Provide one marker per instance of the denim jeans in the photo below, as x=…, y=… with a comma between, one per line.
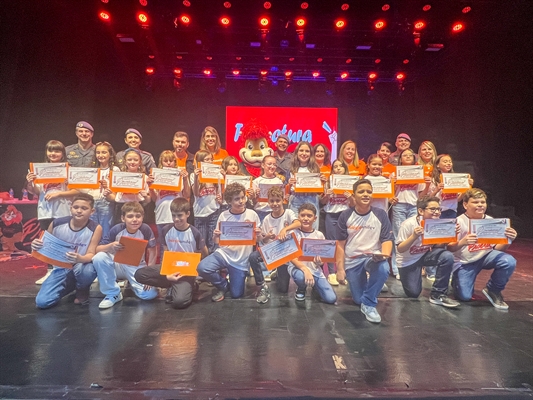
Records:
x=322, y=286
x=258, y=266
x=62, y=281
x=465, y=276
x=365, y=291
x=209, y=269
x=400, y=212
x=296, y=200
x=331, y=226
x=411, y=275
x=109, y=271
x=206, y=226
x=103, y=215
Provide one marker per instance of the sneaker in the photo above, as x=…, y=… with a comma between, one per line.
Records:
x=496, y=299
x=371, y=314
x=274, y=274
x=430, y=278
x=444, y=301
x=300, y=295
x=82, y=297
x=332, y=279
x=385, y=288
x=168, y=296
x=264, y=295
x=110, y=301
x=397, y=276
x=40, y=281
x=268, y=278
x=219, y=295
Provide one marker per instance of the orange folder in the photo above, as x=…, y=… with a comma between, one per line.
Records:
x=184, y=263
x=133, y=251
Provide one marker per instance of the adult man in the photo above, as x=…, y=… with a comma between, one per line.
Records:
x=81, y=154
x=183, y=157
x=133, y=139
x=283, y=157
x=403, y=141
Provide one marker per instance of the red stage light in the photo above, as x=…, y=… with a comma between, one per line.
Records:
x=235, y=72
x=227, y=4
x=207, y=72
x=104, y=16
x=316, y=74
x=348, y=60
x=238, y=58
x=340, y=23
x=264, y=21
x=143, y=3
x=151, y=56
x=288, y=74
x=179, y=57
x=458, y=27
x=267, y=58
x=377, y=60
x=267, y=5
x=300, y=22
x=385, y=7
x=186, y=3
x=466, y=10
x=400, y=76
x=185, y=19
x=406, y=61
x=105, y=1
x=344, y=75
x=263, y=72
x=224, y=21
x=372, y=76
x=142, y=18
x=427, y=7
x=209, y=58
x=319, y=59
x=345, y=6
x=177, y=72
x=149, y=70
x=420, y=25
x=379, y=24
x=304, y=6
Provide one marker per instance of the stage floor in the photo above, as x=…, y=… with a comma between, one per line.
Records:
x=242, y=349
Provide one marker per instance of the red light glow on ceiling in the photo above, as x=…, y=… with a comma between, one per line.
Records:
x=340, y=23
x=207, y=72
x=142, y=18
x=420, y=25
x=264, y=21
x=385, y=7
x=466, y=10
x=224, y=21
x=104, y=16
x=458, y=27
x=300, y=22
x=267, y=5
x=149, y=70
x=235, y=72
x=379, y=24
x=185, y=19
x=372, y=76
x=400, y=76
x=316, y=74
x=344, y=75
x=427, y=7
x=304, y=6
x=345, y=6
x=227, y=4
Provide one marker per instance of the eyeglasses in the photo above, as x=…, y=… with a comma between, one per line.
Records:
x=434, y=210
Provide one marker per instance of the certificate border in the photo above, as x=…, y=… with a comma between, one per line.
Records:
x=454, y=190
x=285, y=259
x=50, y=180
x=409, y=181
x=450, y=239
x=84, y=185
x=243, y=242
x=310, y=258
x=125, y=190
x=157, y=186
x=491, y=240
x=201, y=179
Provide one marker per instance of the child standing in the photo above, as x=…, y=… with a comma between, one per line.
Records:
x=269, y=177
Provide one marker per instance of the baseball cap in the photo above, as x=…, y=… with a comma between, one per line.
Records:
x=404, y=136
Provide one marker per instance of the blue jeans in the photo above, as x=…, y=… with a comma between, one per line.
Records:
x=366, y=291
x=209, y=269
x=296, y=200
x=322, y=286
x=62, y=281
x=400, y=212
x=109, y=271
x=103, y=215
x=465, y=276
x=206, y=226
x=331, y=227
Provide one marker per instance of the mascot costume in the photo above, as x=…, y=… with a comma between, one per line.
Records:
x=255, y=144
x=11, y=229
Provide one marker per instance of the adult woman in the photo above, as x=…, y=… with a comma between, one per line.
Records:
x=427, y=154
x=348, y=154
x=210, y=141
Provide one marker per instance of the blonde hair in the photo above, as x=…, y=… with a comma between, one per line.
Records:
x=432, y=147
x=166, y=155
x=227, y=160
x=203, y=146
x=355, y=161
x=124, y=167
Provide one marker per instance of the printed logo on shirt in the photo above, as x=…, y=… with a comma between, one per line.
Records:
x=179, y=241
x=419, y=249
x=449, y=196
x=361, y=227
x=207, y=191
x=334, y=200
x=414, y=186
x=478, y=247
x=49, y=186
x=165, y=193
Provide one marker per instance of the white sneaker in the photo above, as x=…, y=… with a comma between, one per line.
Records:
x=110, y=301
x=398, y=276
x=332, y=279
x=41, y=281
x=371, y=314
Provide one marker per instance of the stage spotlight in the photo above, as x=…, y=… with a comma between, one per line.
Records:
x=104, y=16
x=178, y=73
x=348, y=61
x=466, y=10
x=263, y=73
x=207, y=72
x=427, y=7
x=185, y=19
x=186, y=3
x=345, y=7
x=340, y=23
x=377, y=60
x=235, y=72
x=419, y=25
x=380, y=24
x=227, y=4
x=304, y=6
x=372, y=76
x=149, y=70
x=143, y=3
x=344, y=75
x=105, y=1
x=291, y=59
x=458, y=27
x=400, y=76
x=385, y=7
x=142, y=18
x=224, y=21
x=319, y=59
x=315, y=74
x=406, y=61
x=264, y=22
x=178, y=85
x=267, y=5
x=300, y=22
x=288, y=74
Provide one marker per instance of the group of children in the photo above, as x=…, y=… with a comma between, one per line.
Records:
x=366, y=237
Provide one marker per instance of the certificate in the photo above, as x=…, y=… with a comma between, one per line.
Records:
x=54, y=251
x=210, y=173
x=382, y=188
x=263, y=190
x=325, y=249
x=490, y=230
x=342, y=183
x=133, y=251
x=455, y=183
x=237, y=233
x=437, y=231
x=308, y=182
x=83, y=178
x=126, y=182
x=184, y=263
x=166, y=179
x=49, y=172
x=279, y=252
x=408, y=174
x=246, y=181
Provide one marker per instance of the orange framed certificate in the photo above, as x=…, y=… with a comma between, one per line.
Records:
x=382, y=188
x=308, y=182
x=184, y=263
x=54, y=251
x=126, y=182
x=264, y=188
x=409, y=174
x=325, y=249
x=490, y=230
x=342, y=183
x=455, y=183
x=439, y=231
x=49, y=172
x=133, y=251
x=166, y=179
x=83, y=178
x=244, y=180
x=237, y=233
x=279, y=252
x=210, y=173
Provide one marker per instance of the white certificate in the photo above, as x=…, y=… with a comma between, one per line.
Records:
x=308, y=182
x=54, y=251
x=381, y=187
x=237, y=233
x=126, y=182
x=325, y=249
x=280, y=252
x=49, y=172
x=455, y=183
x=342, y=183
x=437, y=231
x=83, y=178
x=264, y=188
x=407, y=174
x=166, y=179
x=246, y=181
x=210, y=173
x=490, y=230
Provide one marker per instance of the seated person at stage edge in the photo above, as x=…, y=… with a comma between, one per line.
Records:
x=472, y=257
x=85, y=233
x=412, y=256
x=309, y=273
x=234, y=258
x=109, y=271
x=364, y=242
x=183, y=238
x=275, y=222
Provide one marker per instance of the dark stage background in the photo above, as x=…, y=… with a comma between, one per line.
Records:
x=59, y=66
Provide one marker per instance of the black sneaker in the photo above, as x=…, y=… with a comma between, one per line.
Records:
x=300, y=295
x=219, y=295
x=496, y=299
x=264, y=295
x=443, y=300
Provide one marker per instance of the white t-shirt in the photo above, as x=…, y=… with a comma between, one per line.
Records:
x=127, y=197
x=275, y=225
x=237, y=256
x=471, y=252
x=417, y=249
x=315, y=270
x=379, y=203
x=82, y=238
x=448, y=201
x=188, y=241
x=205, y=203
x=409, y=193
x=162, y=206
x=263, y=205
x=55, y=208
x=336, y=204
